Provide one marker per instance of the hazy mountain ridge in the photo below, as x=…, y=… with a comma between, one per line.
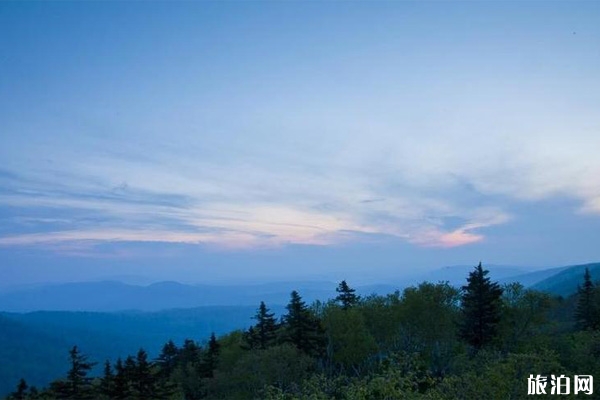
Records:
x=19, y=341
x=111, y=296
x=50, y=334
x=566, y=281
x=114, y=334
x=116, y=296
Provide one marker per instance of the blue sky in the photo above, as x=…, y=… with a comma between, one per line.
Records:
x=267, y=140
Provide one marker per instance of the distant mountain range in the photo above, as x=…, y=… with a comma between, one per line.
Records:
x=116, y=296
x=565, y=282
x=110, y=296
x=37, y=342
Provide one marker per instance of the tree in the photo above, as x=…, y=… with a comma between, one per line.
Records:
x=346, y=295
x=263, y=334
x=429, y=315
x=349, y=343
x=143, y=383
x=189, y=370
x=524, y=312
x=167, y=359
x=281, y=365
x=121, y=381
x=211, y=357
x=21, y=392
x=302, y=329
x=107, y=382
x=78, y=384
x=587, y=312
x=481, y=308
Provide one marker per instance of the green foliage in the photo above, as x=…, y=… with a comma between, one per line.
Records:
x=167, y=359
x=211, y=357
x=349, y=342
x=264, y=333
x=429, y=324
x=302, y=329
x=493, y=376
x=401, y=346
x=382, y=318
x=78, y=384
x=587, y=314
x=346, y=296
x=280, y=366
x=524, y=315
x=481, y=308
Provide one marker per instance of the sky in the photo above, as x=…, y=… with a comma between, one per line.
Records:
x=237, y=141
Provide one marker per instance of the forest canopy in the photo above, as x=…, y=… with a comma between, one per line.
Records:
x=431, y=341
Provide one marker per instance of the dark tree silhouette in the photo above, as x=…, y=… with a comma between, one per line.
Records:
x=346, y=296
x=77, y=384
x=263, y=334
x=121, y=381
x=107, y=382
x=302, y=329
x=143, y=382
x=211, y=357
x=481, y=308
x=167, y=360
x=587, y=313
x=21, y=392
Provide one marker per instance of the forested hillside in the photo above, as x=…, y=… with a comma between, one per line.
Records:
x=49, y=335
x=432, y=341
x=565, y=282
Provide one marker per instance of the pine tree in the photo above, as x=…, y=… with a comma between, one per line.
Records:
x=481, y=308
x=346, y=296
x=78, y=384
x=142, y=378
x=21, y=392
x=587, y=312
x=107, y=382
x=302, y=329
x=263, y=334
x=121, y=381
x=211, y=357
x=166, y=363
x=167, y=360
x=190, y=370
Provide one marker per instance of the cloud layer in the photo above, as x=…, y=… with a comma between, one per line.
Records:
x=334, y=139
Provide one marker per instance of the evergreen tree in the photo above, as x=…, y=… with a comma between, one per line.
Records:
x=129, y=369
x=21, y=392
x=189, y=353
x=167, y=360
x=143, y=383
x=121, y=381
x=33, y=393
x=481, y=308
x=263, y=334
x=107, y=382
x=346, y=296
x=190, y=370
x=587, y=312
x=77, y=384
x=211, y=357
x=302, y=329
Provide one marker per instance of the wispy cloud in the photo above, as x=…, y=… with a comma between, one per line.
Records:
x=302, y=150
